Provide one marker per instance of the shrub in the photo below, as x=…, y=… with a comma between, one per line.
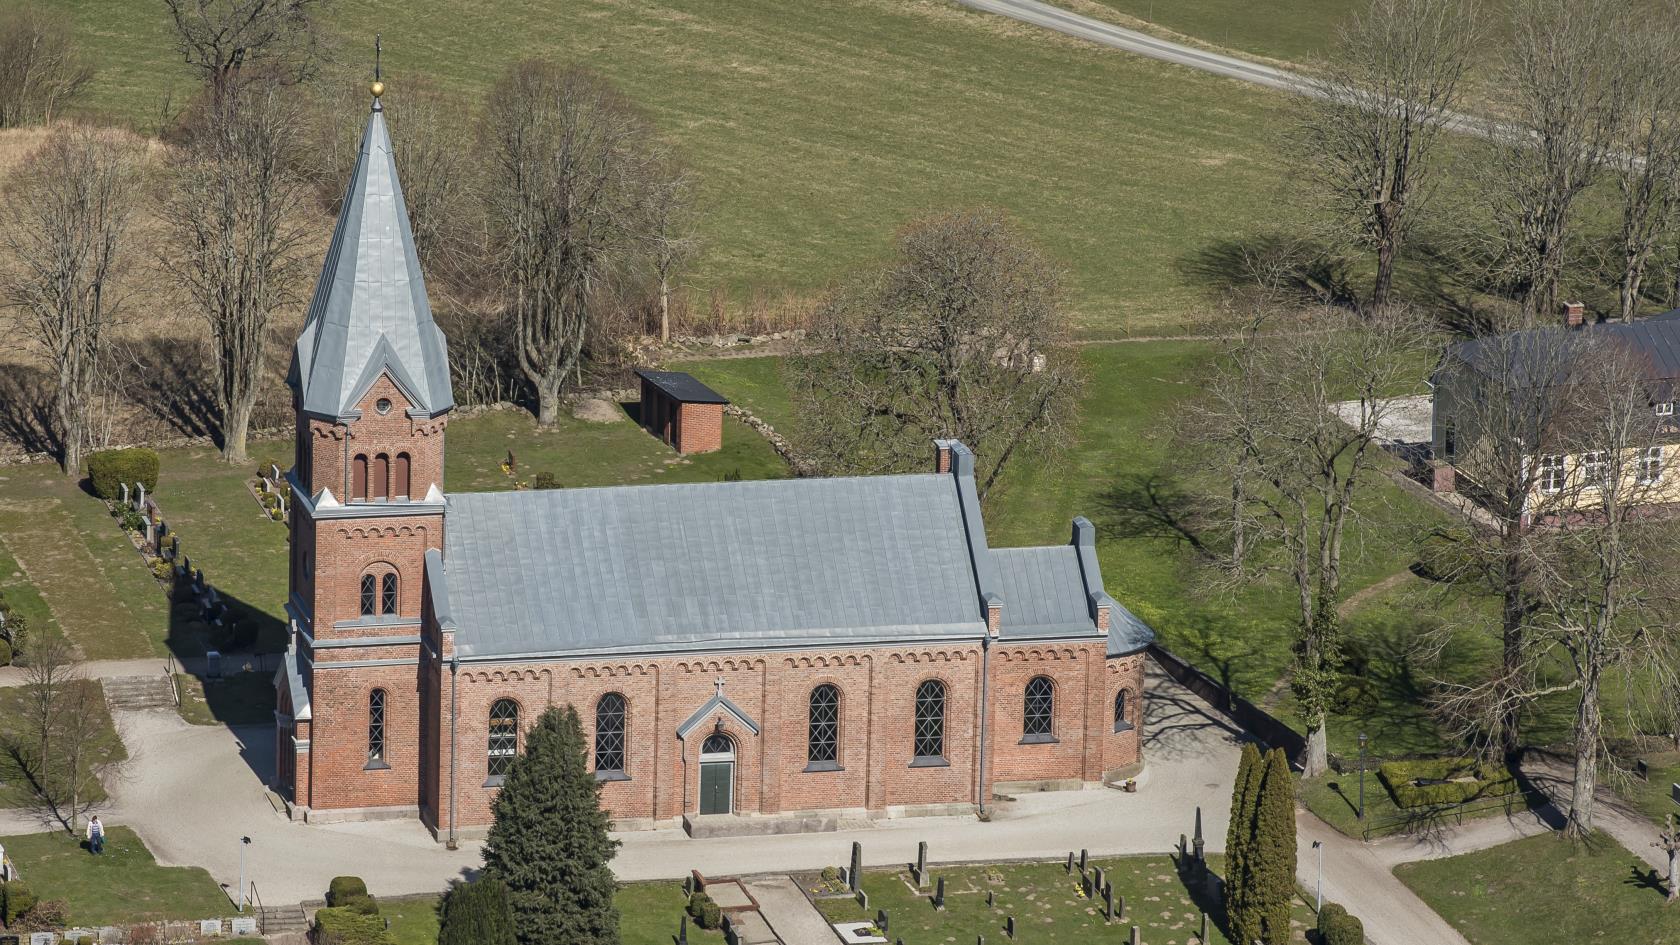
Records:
x=108, y=470
x=706, y=913
x=16, y=898
x=45, y=915
x=1344, y=930
x=1327, y=915
x=133, y=521
x=1465, y=779
x=544, y=480
x=830, y=874
x=343, y=888
x=336, y=925
x=162, y=570
x=476, y=913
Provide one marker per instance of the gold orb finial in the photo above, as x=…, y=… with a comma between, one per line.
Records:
x=377, y=88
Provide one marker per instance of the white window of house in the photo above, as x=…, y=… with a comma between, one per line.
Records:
x=1664, y=409
x=1551, y=474
x=1651, y=465
x=1595, y=466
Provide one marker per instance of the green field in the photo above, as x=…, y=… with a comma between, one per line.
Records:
x=1291, y=30
x=123, y=886
x=1594, y=892
x=107, y=746
x=817, y=129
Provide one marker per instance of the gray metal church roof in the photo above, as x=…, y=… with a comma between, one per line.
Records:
x=370, y=313
x=714, y=565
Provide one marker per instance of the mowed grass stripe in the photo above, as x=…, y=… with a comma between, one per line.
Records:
x=91, y=608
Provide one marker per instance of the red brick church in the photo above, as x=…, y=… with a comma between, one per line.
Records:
x=744, y=655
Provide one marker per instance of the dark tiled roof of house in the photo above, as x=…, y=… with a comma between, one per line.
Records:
x=681, y=387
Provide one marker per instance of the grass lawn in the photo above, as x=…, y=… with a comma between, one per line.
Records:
x=1598, y=892
x=107, y=747
x=1335, y=799
x=817, y=129
x=648, y=914
x=1046, y=902
x=1654, y=796
x=236, y=699
x=1292, y=30
x=21, y=595
x=122, y=887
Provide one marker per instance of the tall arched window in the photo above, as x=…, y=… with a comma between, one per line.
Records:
x=388, y=593
x=930, y=721
x=1122, y=711
x=370, y=595
x=824, y=746
x=504, y=736
x=609, y=734
x=381, y=485
x=1038, y=711
x=358, y=477
x=376, y=726
x=400, y=475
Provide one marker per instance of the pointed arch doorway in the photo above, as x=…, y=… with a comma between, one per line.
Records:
x=717, y=774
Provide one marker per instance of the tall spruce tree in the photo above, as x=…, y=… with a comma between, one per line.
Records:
x=1239, y=846
x=549, y=842
x=476, y=913
x=1272, y=856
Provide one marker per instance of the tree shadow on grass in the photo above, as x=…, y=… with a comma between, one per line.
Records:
x=1305, y=269
x=1155, y=506
x=1205, y=888
x=26, y=409
x=170, y=381
x=1644, y=877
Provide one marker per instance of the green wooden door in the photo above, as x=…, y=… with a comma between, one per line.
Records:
x=717, y=787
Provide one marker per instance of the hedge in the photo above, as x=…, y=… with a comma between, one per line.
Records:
x=15, y=899
x=1343, y=930
x=1327, y=915
x=707, y=914
x=349, y=892
x=1491, y=779
x=108, y=470
x=342, y=926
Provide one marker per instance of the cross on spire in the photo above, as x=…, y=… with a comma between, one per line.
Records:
x=376, y=57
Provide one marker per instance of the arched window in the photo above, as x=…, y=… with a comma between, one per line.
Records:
x=399, y=476
x=824, y=746
x=504, y=736
x=388, y=594
x=370, y=595
x=381, y=485
x=376, y=725
x=1122, y=711
x=358, y=477
x=930, y=720
x=609, y=734
x=1038, y=712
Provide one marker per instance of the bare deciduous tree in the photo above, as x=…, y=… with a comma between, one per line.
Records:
x=962, y=335
x=40, y=70
x=233, y=210
x=56, y=745
x=572, y=168
x=64, y=225
x=225, y=40
x=1561, y=86
x=1383, y=101
x=1645, y=153
x=1307, y=463
x=669, y=234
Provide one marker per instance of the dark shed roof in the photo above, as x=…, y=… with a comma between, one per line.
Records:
x=680, y=387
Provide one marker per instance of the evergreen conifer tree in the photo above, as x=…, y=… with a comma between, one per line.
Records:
x=476, y=913
x=549, y=842
x=1239, y=843
x=1272, y=857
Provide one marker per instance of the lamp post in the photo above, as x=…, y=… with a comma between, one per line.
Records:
x=1362, y=741
x=243, y=843
x=1319, y=846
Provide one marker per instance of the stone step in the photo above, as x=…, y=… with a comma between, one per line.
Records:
x=140, y=692
x=279, y=920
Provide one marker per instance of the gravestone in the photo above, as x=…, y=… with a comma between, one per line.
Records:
x=124, y=487
x=939, y=895
x=245, y=925
x=151, y=535
x=921, y=865
x=1070, y=863
x=990, y=899
x=1183, y=846
x=862, y=899
x=682, y=932
x=1085, y=885
x=1097, y=884
x=43, y=938
x=274, y=472
x=1108, y=903
x=1201, y=845
x=883, y=921
x=210, y=926
x=139, y=497
x=1009, y=927
x=1204, y=936
x=1137, y=936
x=856, y=875
x=1120, y=908
x=1084, y=858
x=688, y=885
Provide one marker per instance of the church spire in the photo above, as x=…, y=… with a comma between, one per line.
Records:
x=370, y=315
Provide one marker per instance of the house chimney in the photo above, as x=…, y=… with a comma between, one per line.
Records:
x=1574, y=314
x=942, y=456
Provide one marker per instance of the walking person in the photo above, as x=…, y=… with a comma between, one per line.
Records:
x=96, y=835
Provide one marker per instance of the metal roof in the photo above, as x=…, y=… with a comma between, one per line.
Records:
x=1539, y=353
x=1042, y=590
x=370, y=314
x=681, y=387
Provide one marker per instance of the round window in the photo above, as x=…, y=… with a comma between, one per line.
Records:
x=383, y=405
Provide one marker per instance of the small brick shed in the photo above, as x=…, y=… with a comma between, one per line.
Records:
x=682, y=411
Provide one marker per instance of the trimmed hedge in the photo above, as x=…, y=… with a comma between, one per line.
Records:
x=108, y=470
x=1488, y=779
x=342, y=926
x=16, y=898
x=706, y=913
x=1343, y=930
x=343, y=888
x=1327, y=915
